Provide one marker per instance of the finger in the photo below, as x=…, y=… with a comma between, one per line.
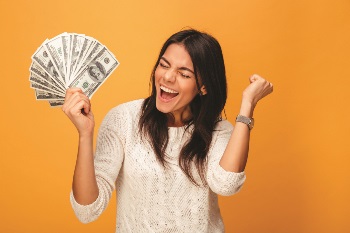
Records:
x=76, y=110
x=254, y=78
x=78, y=99
x=73, y=97
x=87, y=106
x=73, y=100
x=90, y=115
x=71, y=91
x=69, y=99
x=269, y=89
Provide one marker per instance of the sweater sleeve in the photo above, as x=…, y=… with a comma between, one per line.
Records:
x=220, y=181
x=108, y=160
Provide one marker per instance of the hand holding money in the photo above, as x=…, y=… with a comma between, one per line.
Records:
x=69, y=60
x=77, y=107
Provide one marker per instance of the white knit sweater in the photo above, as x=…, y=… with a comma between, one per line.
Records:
x=149, y=197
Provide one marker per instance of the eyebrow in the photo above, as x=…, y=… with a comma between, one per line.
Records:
x=180, y=68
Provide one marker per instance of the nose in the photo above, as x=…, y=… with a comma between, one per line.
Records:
x=170, y=75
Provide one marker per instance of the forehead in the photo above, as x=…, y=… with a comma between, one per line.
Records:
x=178, y=56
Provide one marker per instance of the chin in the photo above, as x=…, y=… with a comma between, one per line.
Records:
x=160, y=107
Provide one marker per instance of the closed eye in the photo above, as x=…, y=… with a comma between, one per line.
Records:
x=184, y=75
x=163, y=65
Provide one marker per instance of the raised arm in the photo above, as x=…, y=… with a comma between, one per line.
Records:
x=78, y=109
x=235, y=156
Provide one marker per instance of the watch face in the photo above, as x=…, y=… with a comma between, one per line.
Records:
x=251, y=123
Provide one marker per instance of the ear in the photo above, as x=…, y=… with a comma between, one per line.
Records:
x=203, y=91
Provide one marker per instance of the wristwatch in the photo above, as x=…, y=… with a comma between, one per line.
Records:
x=246, y=120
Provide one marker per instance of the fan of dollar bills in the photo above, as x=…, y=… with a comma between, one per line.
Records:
x=69, y=60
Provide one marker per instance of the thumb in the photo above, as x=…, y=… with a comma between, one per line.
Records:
x=90, y=115
x=253, y=78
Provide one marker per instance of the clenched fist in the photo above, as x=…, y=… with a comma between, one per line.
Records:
x=77, y=107
x=257, y=89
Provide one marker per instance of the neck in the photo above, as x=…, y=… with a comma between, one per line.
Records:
x=177, y=119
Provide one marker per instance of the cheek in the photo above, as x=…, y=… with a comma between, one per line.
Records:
x=158, y=74
x=190, y=89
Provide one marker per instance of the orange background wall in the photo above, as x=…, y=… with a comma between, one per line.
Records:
x=298, y=179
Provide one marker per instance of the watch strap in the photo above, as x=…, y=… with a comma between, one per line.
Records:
x=246, y=120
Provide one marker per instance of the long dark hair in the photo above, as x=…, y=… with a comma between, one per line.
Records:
x=208, y=63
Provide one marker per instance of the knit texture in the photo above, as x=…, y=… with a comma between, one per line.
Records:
x=151, y=198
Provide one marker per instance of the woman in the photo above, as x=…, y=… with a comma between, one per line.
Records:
x=169, y=155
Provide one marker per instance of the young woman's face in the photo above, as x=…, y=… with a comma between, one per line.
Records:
x=175, y=82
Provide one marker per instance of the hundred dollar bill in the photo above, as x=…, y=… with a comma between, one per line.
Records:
x=69, y=56
x=56, y=103
x=42, y=58
x=93, y=51
x=84, y=48
x=43, y=88
x=76, y=46
x=34, y=78
x=36, y=69
x=43, y=95
x=66, y=49
x=90, y=47
x=96, y=72
x=54, y=48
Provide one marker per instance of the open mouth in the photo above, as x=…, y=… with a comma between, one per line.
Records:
x=167, y=93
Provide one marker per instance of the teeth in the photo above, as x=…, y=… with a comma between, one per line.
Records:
x=168, y=90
